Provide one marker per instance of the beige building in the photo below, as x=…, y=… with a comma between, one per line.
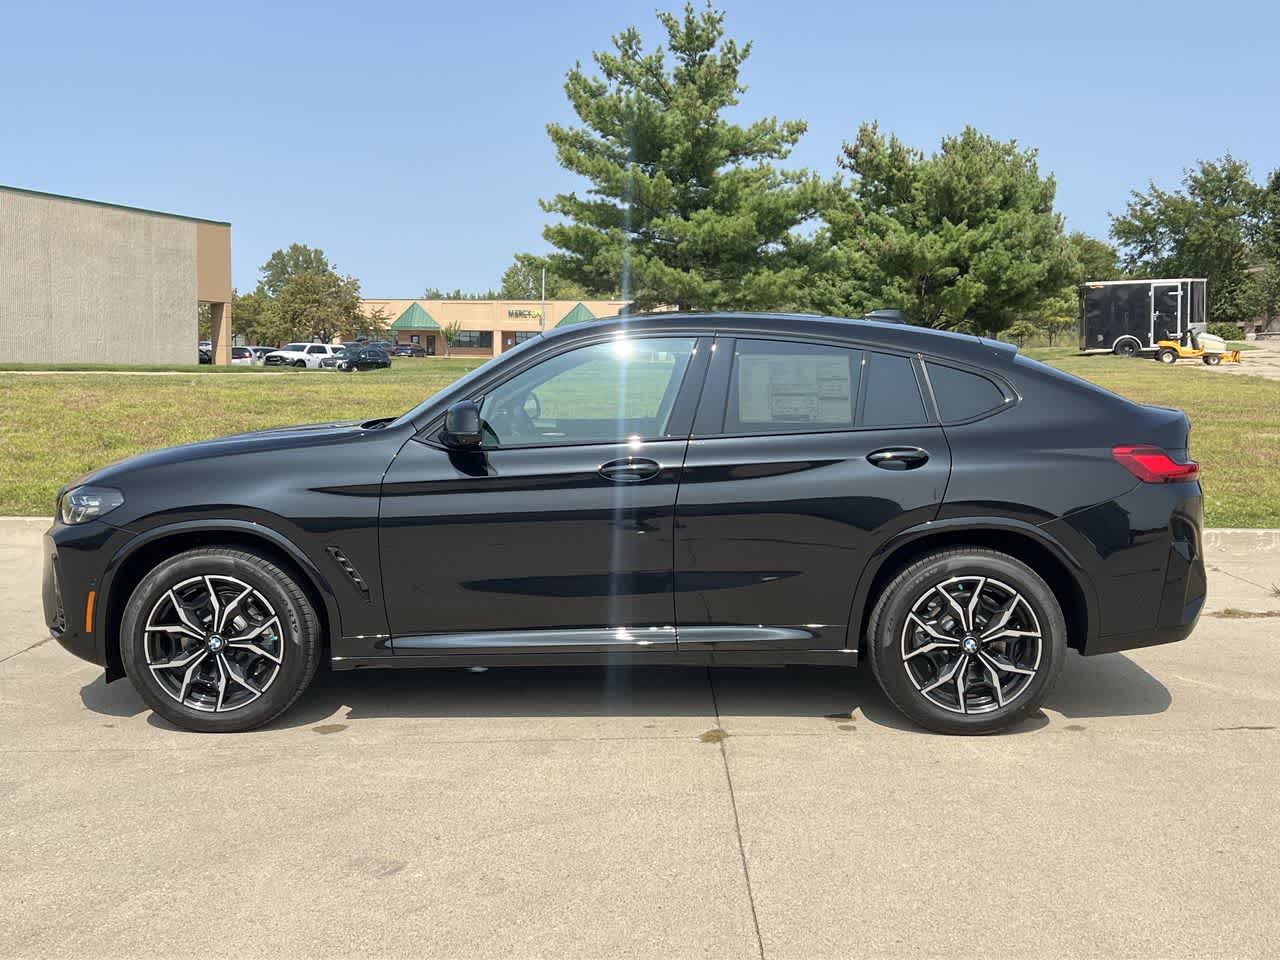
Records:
x=486, y=327
x=91, y=282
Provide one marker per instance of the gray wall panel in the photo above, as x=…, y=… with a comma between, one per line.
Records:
x=87, y=283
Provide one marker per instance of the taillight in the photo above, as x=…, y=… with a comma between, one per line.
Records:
x=1152, y=465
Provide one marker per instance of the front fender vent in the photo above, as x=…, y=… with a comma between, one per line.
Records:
x=349, y=569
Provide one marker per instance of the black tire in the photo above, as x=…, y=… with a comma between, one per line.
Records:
x=887, y=634
x=1125, y=348
x=1166, y=355
x=1212, y=359
x=297, y=641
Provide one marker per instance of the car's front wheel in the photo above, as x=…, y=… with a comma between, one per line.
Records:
x=967, y=641
x=219, y=639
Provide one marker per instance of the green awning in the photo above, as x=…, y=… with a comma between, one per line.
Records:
x=415, y=318
x=579, y=314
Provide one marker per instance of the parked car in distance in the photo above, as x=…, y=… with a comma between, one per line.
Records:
x=242, y=357
x=260, y=353
x=331, y=362
x=363, y=358
x=300, y=355
x=409, y=350
x=204, y=355
x=732, y=489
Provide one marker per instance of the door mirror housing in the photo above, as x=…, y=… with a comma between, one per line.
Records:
x=462, y=425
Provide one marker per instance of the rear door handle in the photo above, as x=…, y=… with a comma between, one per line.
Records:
x=898, y=458
x=630, y=470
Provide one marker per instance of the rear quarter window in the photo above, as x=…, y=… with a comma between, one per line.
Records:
x=962, y=394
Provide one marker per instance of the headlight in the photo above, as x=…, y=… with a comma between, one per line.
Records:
x=88, y=503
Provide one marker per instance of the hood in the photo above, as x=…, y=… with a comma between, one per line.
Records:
x=258, y=441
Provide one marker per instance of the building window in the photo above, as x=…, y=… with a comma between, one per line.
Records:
x=474, y=338
x=414, y=338
x=520, y=336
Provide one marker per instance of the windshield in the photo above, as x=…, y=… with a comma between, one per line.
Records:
x=462, y=383
x=297, y=347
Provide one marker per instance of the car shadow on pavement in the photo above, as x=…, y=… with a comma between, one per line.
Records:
x=1105, y=686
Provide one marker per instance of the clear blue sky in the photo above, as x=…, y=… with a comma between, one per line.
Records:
x=408, y=141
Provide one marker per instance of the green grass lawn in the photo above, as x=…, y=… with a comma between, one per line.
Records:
x=55, y=427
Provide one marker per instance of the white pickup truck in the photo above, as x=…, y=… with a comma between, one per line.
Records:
x=300, y=355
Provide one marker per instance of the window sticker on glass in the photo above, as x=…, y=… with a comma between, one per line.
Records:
x=795, y=389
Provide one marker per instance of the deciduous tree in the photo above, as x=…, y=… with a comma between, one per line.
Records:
x=523, y=281
x=284, y=264
x=450, y=333
x=316, y=306
x=1202, y=229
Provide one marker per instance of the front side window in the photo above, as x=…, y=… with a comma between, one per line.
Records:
x=296, y=347
x=603, y=393
x=778, y=386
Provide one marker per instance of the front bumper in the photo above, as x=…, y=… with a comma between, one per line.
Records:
x=73, y=563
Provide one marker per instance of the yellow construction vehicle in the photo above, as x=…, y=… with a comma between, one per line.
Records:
x=1204, y=346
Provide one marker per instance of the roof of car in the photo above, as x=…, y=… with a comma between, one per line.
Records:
x=896, y=336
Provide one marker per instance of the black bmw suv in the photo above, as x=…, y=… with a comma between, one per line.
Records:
x=695, y=489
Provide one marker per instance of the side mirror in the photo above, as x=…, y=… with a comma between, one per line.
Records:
x=462, y=424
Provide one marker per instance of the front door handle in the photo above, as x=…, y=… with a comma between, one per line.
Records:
x=898, y=458
x=630, y=470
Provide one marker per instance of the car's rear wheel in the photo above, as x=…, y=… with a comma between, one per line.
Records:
x=1166, y=355
x=967, y=641
x=219, y=639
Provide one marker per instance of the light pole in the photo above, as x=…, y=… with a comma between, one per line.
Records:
x=542, y=315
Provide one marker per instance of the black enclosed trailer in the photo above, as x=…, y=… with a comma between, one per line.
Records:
x=1128, y=317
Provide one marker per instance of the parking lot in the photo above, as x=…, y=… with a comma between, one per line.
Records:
x=654, y=812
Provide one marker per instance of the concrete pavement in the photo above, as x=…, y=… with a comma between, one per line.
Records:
x=651, y=812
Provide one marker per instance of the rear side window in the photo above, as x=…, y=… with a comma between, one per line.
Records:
x=776, y=386
x=962, y=395
x=892, y=397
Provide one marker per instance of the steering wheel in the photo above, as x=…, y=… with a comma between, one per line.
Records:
x=512, y=421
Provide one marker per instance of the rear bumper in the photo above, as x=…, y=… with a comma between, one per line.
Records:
x=1143, y=552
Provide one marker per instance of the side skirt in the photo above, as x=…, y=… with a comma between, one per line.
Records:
x=630, y=658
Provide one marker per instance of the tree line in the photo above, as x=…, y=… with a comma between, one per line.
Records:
x=685, y=207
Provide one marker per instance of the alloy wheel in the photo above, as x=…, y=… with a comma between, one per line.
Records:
x=971, y=644
x=213, y=643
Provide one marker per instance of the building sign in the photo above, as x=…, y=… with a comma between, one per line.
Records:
x=525, y=314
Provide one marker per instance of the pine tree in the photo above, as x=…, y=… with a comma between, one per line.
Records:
x=684, y=207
